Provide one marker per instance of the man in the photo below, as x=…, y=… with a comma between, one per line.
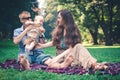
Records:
x=20, y=34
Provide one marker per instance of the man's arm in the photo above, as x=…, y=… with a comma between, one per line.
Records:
x=43, y=39
x=18, y=38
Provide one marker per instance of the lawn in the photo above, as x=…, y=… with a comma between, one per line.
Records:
x=103, y=53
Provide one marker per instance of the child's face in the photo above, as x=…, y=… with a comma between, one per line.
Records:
x=39, y=21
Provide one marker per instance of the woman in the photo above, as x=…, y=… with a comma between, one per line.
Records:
x=66, y=36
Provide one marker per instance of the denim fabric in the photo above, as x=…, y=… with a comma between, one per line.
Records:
x=42, y=58
x=36, y=55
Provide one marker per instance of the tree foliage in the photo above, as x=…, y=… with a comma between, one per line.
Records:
x=9, y=10
x=97, y=14
x=100, y=17
x=50, y=17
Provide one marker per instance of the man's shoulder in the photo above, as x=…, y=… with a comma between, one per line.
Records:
x=19, y=29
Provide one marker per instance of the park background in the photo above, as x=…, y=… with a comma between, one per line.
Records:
x=98, y=21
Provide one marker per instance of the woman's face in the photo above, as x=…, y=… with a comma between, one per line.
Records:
x=60, y=20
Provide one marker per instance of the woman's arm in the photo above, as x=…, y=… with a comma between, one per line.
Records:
x=48, y=44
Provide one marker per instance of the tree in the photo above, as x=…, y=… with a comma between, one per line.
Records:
x=98, y=13
x=50, y=17
x=9, y=10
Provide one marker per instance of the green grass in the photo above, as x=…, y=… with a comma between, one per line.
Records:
x=103, y=53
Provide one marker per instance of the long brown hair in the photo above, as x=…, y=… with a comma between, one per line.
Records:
x=72, y=36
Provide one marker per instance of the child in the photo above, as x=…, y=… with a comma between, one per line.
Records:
x=33, y=34
x=33, y=37
x=38, y=22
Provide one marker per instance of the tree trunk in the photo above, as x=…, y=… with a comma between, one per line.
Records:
x=94, y=36
x=105, y=29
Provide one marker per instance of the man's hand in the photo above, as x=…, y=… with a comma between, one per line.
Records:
x=29, y=28
x=28, y=23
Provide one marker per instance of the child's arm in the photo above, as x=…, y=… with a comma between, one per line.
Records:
x=42, y=29
x=30, y=46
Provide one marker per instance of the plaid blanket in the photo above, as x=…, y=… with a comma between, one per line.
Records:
x=114, y=68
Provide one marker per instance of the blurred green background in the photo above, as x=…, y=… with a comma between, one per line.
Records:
x=98, y=20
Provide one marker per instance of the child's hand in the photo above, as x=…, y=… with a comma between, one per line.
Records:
x=35, y=42
x=41, y=30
